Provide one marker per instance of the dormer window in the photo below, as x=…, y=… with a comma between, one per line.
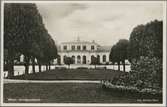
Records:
x=92, y=47
x=65, y=47
x=73, y=47
x=78, y=47
x=84, y=47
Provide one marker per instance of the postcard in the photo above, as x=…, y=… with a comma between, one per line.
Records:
x=83, y=53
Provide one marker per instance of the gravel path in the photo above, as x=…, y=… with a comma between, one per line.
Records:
x=51, y=81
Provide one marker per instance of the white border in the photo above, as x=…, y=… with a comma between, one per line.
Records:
x=164, y=51
x=86, y=104
x=2, y=23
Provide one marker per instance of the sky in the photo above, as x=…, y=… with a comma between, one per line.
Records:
x=105, y=23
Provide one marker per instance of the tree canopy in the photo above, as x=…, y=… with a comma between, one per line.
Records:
x=145, y=52
x=25, y=33
x=68, y=61
x=146, y=40
x=118, y=52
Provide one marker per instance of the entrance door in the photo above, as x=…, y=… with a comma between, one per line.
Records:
x=84, y=59
x=78, y=59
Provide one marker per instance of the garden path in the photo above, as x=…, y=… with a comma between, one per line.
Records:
x=51, y=81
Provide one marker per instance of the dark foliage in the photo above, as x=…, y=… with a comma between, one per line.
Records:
x=25, y=33
x=118, y=52
x=68, y=61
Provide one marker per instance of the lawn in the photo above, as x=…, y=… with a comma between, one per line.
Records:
x=73, y=74
x=67, y=92
x=62, y=93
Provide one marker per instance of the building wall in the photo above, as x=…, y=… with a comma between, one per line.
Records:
x=79, y=54
x=87, y=54
x=69, y=45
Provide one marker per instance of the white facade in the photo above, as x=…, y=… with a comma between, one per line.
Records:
x=83, y=51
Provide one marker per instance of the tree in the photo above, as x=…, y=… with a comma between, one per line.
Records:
x=11, y=39
x=145, y=50
x=146, y=40
x=25, y=33
x=134, y=48
x=49, y=51
x=118, y=53
x=68, y=61
x=58, y=60
x=122, y=48
x=114, y=57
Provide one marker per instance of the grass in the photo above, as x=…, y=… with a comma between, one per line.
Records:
x=63, y=93
x=67, y=92
x=72, y=74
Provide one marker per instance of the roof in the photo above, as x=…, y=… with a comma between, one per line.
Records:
x=104, y=48
x=80, y=42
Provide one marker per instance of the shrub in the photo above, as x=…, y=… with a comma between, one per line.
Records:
x=82, y=67
x=60, y=68
x=149, y=71
x=101, y=68
x=145, y=92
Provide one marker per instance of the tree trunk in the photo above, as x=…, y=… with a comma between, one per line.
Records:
x=46, y=67
x=26, y=69
x=39, y=65
x=10, y=68
x=118, y=66
x=49, y=66
x=95, y=66
x=27, y=59
x=124, y=65
x=10, y=65
x=33, y=65
x=69, y=66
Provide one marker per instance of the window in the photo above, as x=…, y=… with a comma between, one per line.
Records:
x=64, y=58
x=92, y=47
x=78, y=59
x=92, y=59
x=78, y=47
x=98, y=58
x=84, y=47
x=73, y=47
x=84, y=59
x=104, y=58
x=65, y=47
x=73, y=58
x=59, y=60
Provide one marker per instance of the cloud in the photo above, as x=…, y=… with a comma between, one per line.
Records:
x=105, y=23
x=58, y=10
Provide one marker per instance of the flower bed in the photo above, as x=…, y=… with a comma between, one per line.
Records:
x=144, y=93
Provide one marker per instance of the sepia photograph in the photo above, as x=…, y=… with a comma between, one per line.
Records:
x=78, y=53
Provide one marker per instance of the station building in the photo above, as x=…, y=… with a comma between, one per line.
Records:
x=82, y=52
